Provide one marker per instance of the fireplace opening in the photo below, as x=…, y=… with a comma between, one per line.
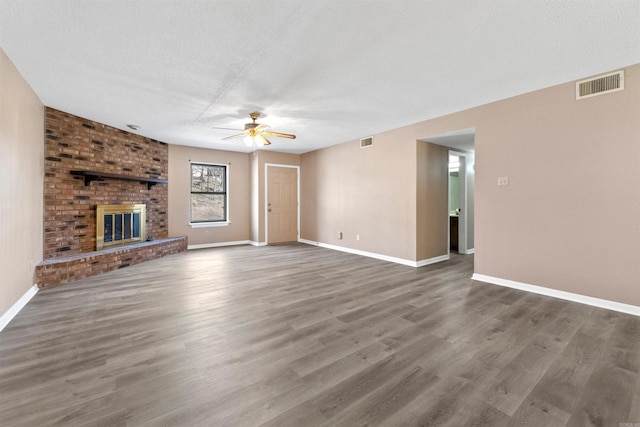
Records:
x=119, y=225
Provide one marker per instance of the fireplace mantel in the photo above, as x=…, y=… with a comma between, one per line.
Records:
x=100, y=176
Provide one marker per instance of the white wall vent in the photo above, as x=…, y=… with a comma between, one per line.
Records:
x=366, y=142
x=606, y=83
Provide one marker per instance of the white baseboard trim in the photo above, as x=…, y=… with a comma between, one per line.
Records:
x=569, y=296
x=377, y=256
x=433, y=260
x=471, y=251
x=219, y=244
x=252, y=243
x=17, y=306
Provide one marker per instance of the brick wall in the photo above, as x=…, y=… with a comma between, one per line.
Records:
x=74, y=143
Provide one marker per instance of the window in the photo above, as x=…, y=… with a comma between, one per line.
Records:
x=209, y=203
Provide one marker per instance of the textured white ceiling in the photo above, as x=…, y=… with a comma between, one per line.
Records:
x=328, y=71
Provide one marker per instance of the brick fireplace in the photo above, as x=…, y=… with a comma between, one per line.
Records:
x=76, y=144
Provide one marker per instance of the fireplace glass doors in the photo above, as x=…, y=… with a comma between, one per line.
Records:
x=119, y=225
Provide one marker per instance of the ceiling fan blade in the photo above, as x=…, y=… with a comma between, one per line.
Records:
x=215, y=127
x=280, y=135
x=234, y=136
x=261, y=127
x=261, y=140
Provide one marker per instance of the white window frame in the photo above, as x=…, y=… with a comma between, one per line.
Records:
x=227, y=187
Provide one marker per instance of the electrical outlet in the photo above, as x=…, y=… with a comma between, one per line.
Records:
x=503, y=180
x=357, y=237
x=339, y=235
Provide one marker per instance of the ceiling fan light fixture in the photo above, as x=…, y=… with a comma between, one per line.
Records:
x=256, y=133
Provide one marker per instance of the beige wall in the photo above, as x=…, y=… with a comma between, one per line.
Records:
x=568, y=220
x=432, y=195
x=393, y=195
x=368, y=192
x=179, y=195
x=21, y=184
x=570, y=217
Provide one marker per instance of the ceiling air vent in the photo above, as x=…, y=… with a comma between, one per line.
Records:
x=366, y=142
x=600, y=85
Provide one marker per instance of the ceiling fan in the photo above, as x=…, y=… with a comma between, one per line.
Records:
x=256, y=133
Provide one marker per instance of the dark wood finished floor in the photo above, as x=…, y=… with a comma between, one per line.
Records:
x=295, y=335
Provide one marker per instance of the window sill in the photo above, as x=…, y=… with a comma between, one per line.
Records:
x=208, y=224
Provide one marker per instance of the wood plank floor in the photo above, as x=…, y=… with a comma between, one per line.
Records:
x=296, y=335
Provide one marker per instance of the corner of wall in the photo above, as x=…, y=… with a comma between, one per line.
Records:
x=21, y=166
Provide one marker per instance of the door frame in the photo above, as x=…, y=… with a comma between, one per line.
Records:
x=462, y=197
x=266, y=198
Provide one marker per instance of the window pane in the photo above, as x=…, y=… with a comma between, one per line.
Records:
x=207, y=207
x=136, y=225
x=108, y=228
x=208, y=178
x=197, y=173
x=127, y=226
x=117, y=235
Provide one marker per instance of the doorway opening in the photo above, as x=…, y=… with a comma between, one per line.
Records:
x=460, y=178
x=457, y=202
